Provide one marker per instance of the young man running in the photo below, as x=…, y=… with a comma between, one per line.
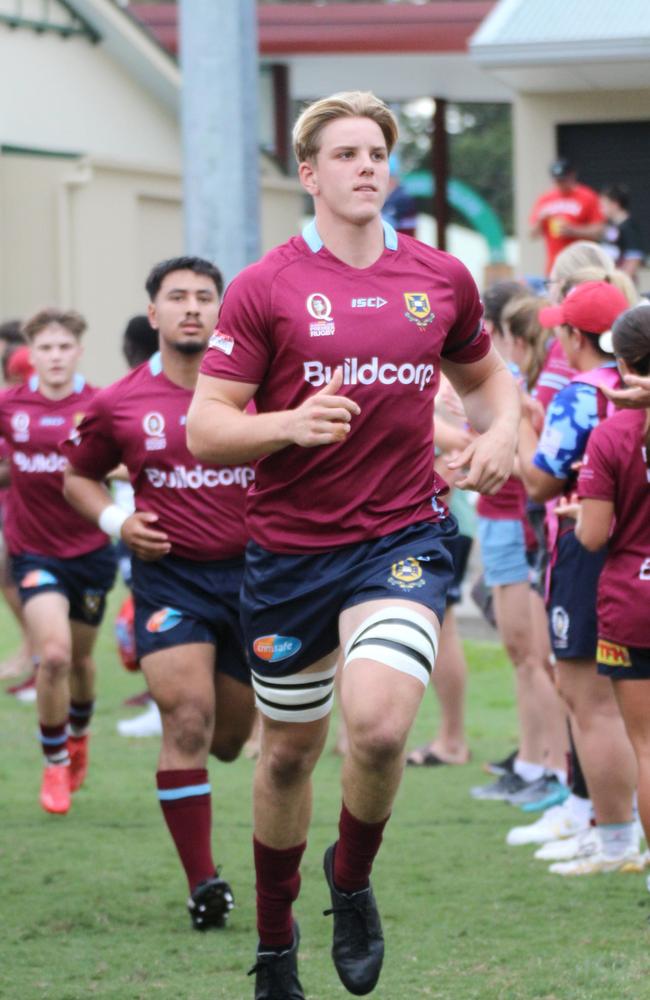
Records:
x=63, y=566
x=340, y=335
x=187, y=536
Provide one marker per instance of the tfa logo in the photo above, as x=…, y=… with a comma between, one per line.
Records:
x=276, y=647
x=372, y=303
x=354, y=373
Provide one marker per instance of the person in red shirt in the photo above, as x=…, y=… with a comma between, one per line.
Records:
x=62, y=565
x=187, y=536
x=569, y=211
x=614, y=490
x=340, y=335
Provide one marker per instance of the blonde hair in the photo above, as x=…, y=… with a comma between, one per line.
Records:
x=522, y=318
x=70, y=320
x=582, y=253
x=347, y=104
x=615, y=277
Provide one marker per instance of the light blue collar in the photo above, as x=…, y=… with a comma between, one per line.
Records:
x=155, y=363
x=311, y=236
x=78, y=383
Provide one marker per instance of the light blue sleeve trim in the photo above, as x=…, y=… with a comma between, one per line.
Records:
x=79, y=382
x=390, y=236
x=155, y=363
x=186, y=792
x=33, y=382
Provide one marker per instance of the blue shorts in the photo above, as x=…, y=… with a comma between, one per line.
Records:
x=572, y=599
x=290, y=604
x=85, y=580
x=181, y=601
x=622, y=663
x=460, y=548
x=503, y=551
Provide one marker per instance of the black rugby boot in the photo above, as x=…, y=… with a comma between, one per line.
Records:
x=276, y=974
x=358, y=941
x=210, y=904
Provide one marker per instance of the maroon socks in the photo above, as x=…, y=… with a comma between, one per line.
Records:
x=356, y=850
x=278, y=883
x=187, y=807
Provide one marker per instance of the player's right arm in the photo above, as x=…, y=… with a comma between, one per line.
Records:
x=220, y=431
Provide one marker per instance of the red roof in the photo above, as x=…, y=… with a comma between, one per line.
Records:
x=294, y=29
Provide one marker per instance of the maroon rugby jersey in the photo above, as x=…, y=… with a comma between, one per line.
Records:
x=615, y=468
x=140, y=421
x=288, y=321
x=37, y=517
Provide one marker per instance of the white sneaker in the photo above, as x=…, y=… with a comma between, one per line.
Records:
x=582, y=845
x=556, y=823
x=597, y=863
x=146, y=724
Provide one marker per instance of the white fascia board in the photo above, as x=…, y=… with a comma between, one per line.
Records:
x=129, y=43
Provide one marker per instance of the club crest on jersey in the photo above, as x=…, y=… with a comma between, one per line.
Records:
x=153, y=424
x=20, y=426
x=612, y=654
x=319, y=308
x=418, y=309
x=406, y=574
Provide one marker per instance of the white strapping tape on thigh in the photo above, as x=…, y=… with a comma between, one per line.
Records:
x=398, y=637
x=301, y=697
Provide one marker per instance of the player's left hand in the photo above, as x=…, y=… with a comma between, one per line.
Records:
x=488, y=460
x=635, y=397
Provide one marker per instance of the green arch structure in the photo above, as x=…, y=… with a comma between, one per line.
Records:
x=469, y=203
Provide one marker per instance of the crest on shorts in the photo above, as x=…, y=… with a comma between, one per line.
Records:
x=612, y=654
x=406, y=574
x=92, y=602
x=418, y=309
x=560, y=624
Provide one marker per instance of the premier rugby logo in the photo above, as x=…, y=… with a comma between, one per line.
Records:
x=276, y=647
x=418, y=309
x=153, y=424
x=319, y=308
x=20, y=426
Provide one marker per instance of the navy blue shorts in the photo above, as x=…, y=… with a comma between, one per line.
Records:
x=622, y=663
x=181, y=601
x=460, y=548
x=290, y=604
x=572, y=600
x=85, y=580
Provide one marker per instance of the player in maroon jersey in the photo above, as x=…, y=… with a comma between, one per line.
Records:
x=63, y=566
x=187, y=536
x=614, y=488
x=340, y=335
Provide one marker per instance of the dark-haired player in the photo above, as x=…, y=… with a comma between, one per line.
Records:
x=340, y=334
x=187, y=536
x=63, y=566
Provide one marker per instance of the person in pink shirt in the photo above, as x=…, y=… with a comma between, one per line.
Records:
x=340, y=334
x=614, y=492
x=63, y=566
x=187, y=536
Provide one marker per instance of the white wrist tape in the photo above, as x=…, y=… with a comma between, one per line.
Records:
x=111, y=520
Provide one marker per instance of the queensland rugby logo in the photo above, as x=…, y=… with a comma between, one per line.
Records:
x=418, y=309
x=560, y=622
x=406, y=574
x=319, y=308
x=163, y=620
x=37, y=578
x=276, y=647
x=20, y=426
x=153, y=424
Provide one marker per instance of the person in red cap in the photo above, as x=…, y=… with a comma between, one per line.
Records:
x=18, y=366
x=583, y=324
x=569, y=211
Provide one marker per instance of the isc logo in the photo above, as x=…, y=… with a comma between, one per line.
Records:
x=374, y=303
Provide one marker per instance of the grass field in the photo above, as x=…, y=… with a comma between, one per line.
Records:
x=93, y=904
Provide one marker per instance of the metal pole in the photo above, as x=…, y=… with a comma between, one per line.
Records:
x=440, y=166
x=218, y=52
